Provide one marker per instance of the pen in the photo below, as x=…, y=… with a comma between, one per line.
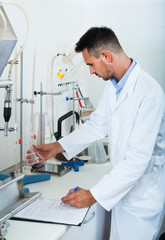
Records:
x=74, y=190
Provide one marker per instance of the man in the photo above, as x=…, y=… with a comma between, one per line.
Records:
x=132, y=113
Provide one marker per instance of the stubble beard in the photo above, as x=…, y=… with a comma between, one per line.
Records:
x=108, y=74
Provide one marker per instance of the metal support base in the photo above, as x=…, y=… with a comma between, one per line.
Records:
x=3, y=230
x=13, y=199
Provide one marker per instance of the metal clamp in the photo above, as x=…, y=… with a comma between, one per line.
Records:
x=66, y=83
x=25, y=100
x=74, y=98
x=11, y=129
x=10, y=62
x=47, y=93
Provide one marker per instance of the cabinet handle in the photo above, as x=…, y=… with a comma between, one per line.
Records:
x=90, y=218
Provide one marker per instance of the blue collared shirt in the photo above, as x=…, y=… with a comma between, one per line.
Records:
x=119, y=85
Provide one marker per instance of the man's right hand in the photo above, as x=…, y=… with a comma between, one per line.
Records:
x=44, y=151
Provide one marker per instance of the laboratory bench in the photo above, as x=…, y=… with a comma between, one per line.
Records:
x=96, y=223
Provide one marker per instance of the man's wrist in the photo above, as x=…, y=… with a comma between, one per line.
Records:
x=92, y=199
x=58, y=147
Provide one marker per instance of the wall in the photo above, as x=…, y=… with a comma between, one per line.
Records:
x=140, y=27
x=55, y=26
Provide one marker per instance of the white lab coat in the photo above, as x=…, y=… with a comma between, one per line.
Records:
x=135, y=187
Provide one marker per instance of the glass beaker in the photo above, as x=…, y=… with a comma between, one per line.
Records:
x=97, y=152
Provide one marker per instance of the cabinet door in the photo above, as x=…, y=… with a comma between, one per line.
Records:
x=96, y=226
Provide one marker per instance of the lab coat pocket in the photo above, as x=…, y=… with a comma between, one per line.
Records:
x=144, y=195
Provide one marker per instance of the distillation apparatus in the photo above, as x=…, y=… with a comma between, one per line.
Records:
x=6, y=47
x=42, y=93
x=12, y=195
x=63, y=84
x=72, y=65
x=61, y=74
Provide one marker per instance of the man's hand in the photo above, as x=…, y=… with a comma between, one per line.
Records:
x=44, y=151
x=80, y=198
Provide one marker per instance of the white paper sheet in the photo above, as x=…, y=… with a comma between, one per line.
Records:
x=47, y=210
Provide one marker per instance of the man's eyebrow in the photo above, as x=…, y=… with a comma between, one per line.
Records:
x=89, y=64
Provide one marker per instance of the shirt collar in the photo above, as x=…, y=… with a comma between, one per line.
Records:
x=119, y=85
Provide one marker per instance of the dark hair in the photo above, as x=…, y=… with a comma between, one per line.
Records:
x=97, y=39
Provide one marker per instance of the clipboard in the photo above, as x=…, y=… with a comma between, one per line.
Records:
x=52, y=211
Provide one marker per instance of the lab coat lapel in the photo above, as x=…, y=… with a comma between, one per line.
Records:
x=121, y=99
x=113, y=98
x=129, y=86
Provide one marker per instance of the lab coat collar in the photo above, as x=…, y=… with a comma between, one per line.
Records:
x=128, y=88
x=131, y=81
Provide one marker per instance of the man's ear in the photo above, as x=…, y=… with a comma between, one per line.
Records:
x=106, y=56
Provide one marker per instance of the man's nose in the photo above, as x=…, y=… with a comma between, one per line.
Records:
x=92, y=71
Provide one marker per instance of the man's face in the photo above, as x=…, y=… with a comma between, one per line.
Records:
x=98, y=66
